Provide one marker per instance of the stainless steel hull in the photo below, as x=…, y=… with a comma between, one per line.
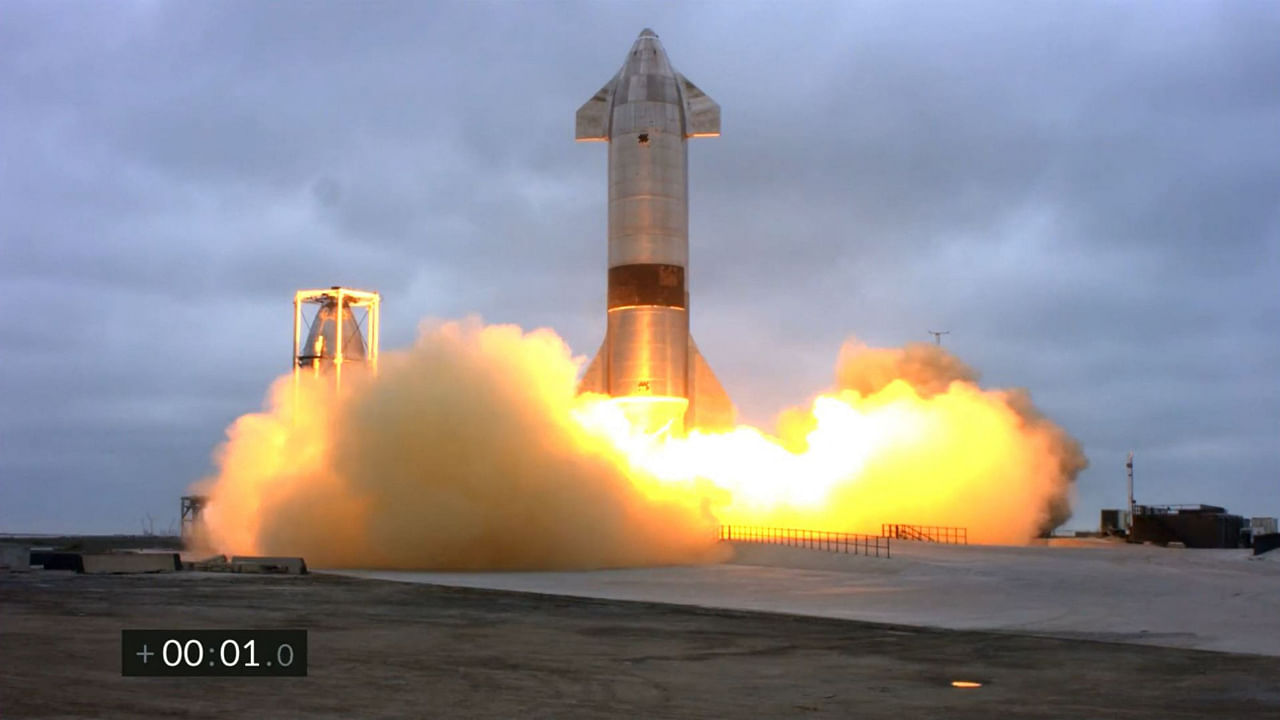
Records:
x=646, y=113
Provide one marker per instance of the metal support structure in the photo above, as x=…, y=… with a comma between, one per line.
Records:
x=328, y=348
x=937, y=335
x=192, y=510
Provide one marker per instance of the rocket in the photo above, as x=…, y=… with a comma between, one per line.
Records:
x=647, y=113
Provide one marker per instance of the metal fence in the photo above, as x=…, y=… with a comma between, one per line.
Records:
x=926, y=533
x=853, y=543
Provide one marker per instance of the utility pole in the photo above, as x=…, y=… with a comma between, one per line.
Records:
x=937, y=335
x=1128, y=466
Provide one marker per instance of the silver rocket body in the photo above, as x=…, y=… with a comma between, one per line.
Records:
x=647, y=113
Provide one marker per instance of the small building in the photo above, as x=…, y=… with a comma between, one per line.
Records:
x=1195, y=526
x=1114, y=523
x=1263, y=526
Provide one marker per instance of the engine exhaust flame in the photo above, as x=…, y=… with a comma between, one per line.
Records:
x=470, y=450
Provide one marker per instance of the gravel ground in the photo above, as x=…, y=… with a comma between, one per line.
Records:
x=381, y=649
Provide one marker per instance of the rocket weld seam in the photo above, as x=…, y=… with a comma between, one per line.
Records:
x=647, y=305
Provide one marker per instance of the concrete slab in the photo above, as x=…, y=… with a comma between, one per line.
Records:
x=149, y=562
x=1205, y=599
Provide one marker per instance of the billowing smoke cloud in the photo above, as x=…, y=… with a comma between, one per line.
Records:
x=471, y=450
x=1028, y=484
x=943, y=450
x=1043, y=463
x=462, y=454
x=927, y=368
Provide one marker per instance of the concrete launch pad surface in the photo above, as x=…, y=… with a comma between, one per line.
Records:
x=401, y=650
x=1222, y=600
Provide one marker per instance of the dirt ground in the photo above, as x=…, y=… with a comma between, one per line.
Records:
x=392, y=650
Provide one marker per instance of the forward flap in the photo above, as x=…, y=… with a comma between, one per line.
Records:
x=702, y=114
x=593, y=117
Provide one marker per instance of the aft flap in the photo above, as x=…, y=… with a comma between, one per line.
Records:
x=710, y=408
x=593, y=379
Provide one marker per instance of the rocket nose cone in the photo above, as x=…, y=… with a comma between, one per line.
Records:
x=647, y=57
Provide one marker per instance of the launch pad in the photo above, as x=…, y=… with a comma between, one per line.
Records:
x=1223, y=600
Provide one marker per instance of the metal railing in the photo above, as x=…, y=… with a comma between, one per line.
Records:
x=841, y=542
x=926, y=533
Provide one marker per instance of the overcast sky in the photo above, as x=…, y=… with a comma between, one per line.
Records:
x=1087, y=195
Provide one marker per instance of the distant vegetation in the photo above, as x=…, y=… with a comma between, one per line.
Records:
x=97, y=543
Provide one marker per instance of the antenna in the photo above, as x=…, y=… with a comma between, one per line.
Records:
x=937, y=335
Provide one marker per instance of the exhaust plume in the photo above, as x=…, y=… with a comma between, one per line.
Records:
x=462, y=453
x=471, y=450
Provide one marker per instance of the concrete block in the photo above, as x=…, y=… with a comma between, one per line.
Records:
x=213, y=563
x=279, y=565
x=15, y=558
x=1265, y=543
x=104, y=563
x=57, y=560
